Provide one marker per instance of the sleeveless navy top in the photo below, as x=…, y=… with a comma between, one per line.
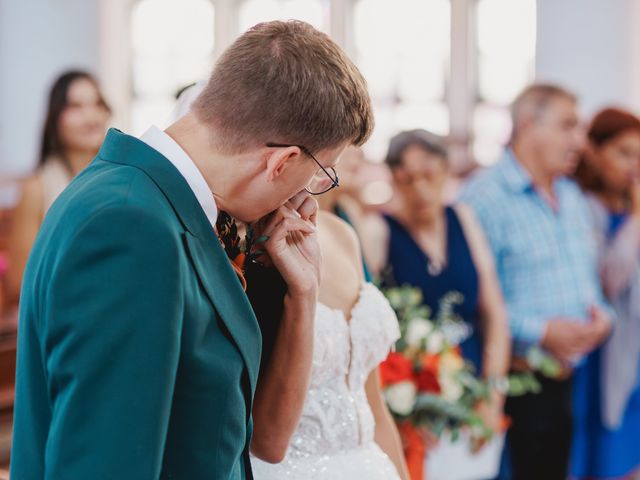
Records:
x=409, y=265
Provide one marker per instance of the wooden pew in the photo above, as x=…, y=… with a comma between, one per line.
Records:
x=8, y=327
x=7, y=388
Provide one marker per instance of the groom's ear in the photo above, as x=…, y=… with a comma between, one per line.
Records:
x=279, y=159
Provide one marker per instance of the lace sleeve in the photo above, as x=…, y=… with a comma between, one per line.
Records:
x=375, y=326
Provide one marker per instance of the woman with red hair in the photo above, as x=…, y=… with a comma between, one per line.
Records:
x=607, y=387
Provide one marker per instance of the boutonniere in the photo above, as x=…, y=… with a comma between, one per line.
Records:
x=228, y=234
x=253, y=248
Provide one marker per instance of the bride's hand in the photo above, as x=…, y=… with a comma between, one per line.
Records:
x=292, y=244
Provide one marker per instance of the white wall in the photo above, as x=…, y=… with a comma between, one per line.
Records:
x=38, y=40
x=593, y=48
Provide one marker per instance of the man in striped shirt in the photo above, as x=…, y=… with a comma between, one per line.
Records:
x=537, y=223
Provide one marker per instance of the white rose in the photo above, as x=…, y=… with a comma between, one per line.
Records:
x=417, y=329
x=451, y=389
x=435, y=342
x=401, y=397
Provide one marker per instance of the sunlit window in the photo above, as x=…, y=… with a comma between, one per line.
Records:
x=315, y=12
x=172, y=46
x=402, y=48
x=506, y=58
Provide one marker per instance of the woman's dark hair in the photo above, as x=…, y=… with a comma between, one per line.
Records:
x=58, y=100
x=428, y=141
x=605, y=126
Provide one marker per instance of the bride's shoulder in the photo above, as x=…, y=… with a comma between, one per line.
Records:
x=334, y=229
x=338, y=238
x=333, y=223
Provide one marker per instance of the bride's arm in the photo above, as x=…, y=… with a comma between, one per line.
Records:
x=284, y=380
x=386, y=434
x=283, y=384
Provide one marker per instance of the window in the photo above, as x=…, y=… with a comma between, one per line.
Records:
x=402, y=49
x=315, y=12
x=165, y=59
x=506, y=38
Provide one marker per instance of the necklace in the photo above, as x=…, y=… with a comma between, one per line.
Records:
x=434, y=268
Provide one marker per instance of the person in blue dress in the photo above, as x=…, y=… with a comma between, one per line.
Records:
x=442, y=249
x=606, y=441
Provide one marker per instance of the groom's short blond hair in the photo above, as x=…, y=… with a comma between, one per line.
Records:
x=285, y=82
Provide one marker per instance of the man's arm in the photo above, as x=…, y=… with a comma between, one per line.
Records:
x=112, y=339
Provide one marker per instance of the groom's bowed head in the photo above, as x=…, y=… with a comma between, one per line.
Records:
x=281, y=105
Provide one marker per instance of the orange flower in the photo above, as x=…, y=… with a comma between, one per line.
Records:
x=240, y=259
x=431, y=362
x=427, y=377
x=396, y=368
x=415, y=449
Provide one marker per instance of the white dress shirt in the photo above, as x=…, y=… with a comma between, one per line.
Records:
x=167, y=146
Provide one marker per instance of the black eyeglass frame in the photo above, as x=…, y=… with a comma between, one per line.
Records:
x=335, y=181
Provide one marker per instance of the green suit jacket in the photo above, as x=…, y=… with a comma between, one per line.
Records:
x=138, y=351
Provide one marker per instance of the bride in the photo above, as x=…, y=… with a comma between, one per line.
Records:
x=345, y=430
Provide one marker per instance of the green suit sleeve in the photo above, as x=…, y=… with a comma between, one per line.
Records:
x=113, y=323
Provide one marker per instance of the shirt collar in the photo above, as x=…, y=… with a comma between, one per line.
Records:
x=516, y=176
x=169, y=148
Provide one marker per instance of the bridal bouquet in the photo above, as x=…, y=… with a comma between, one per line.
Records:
x=426, y=381
x=429, y=386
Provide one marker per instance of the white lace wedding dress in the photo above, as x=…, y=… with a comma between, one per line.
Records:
x=334, y=439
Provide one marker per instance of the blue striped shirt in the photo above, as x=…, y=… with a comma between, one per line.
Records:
x=546, y=259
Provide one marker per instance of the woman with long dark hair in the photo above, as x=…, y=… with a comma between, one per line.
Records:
x=74, y=128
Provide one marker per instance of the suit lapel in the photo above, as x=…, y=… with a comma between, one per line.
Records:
x=223, y=288
x=209, y=259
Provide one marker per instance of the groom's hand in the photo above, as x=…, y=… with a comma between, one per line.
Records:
x=292, y=244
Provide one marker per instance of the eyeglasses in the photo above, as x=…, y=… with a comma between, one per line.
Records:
x=315, y=186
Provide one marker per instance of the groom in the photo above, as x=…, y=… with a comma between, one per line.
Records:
x=138, y=350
